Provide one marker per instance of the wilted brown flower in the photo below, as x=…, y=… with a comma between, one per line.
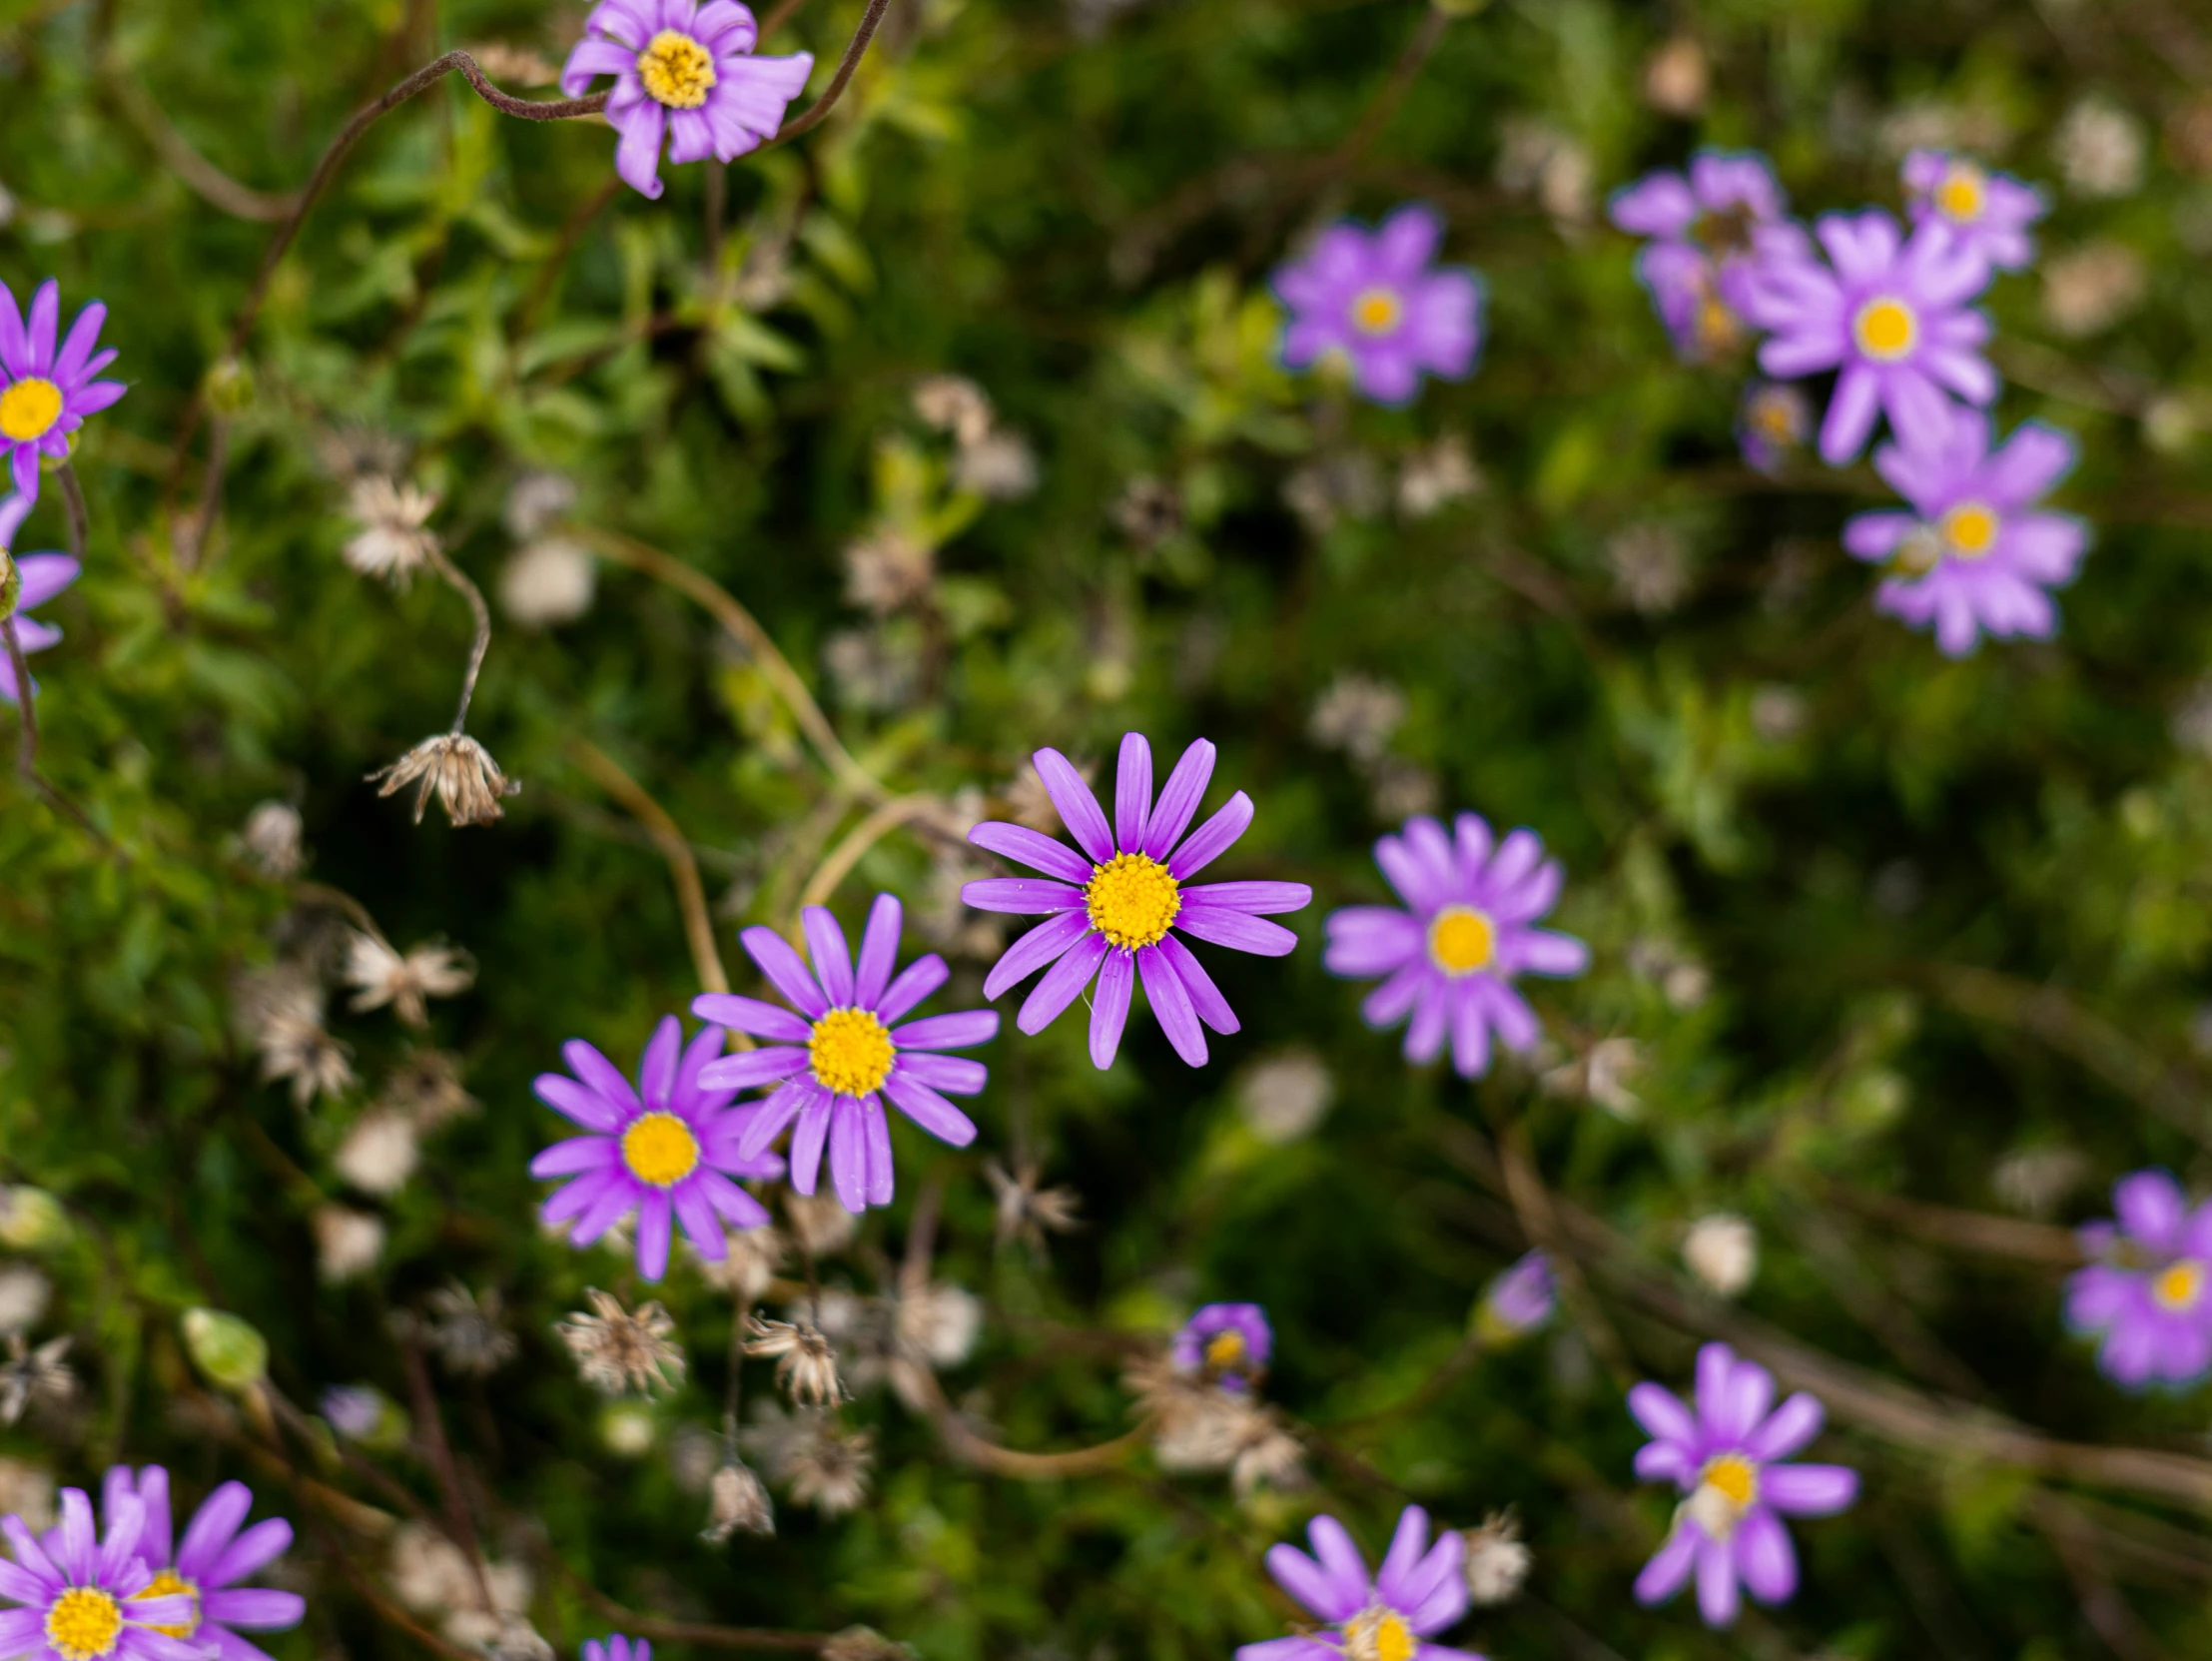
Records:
x=1026, y=1212
x=34, y=1378
x=828, y=1470
x=1603, y=1074
x=1357, y=714
x=1282, y=1096
x=954, y=403
x=549, y=582
x=1676, y=77
x=280, y=1010
x=616, y=1351
x=807, y=1370
x=998, y=466
x=1148, y=511
x=24, y=1295
x=380, y=1152
x=392, y=542
x=886, y=569
x=737, y=1503
x=272, y=841
x=1651, y=567
x=459, y=770
x=1198, y=1427
x=347, y=1243
x=748, y=1265
x=382, y=976
x=1436, y=476
x=1722, y=1251
x=2091, y=288
x=1496, y=1562
x=427, y=1088
x=819, y=1223
x=467, y=1331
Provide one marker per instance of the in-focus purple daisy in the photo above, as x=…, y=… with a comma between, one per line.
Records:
x=1419, y=1590
x=1773, y=424
x=207, y=1564
x=86, y=1599
x=666, y=1150
x=685, y=72
x=1988, y=212
x=1726, y=1458
x=1111, y=909
x=1450, y=958
x=1702, y=226
x=2144, y=1293
x=844, y=1052
x=1375, y=297
x=1519, y=1300
x=43, y=576
x=1230, y=1341
x=1889, y=314
x=618, y=1648
x=47, y=395
x=1973, y=556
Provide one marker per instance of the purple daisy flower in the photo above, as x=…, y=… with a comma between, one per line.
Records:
x=1890, y=316
x=48, y=396
x=1703, y=228
x=683, y=71
x=834, y=1067
x=1417, y=1591
x=1111, y=908
x=666, y=1149
x=43, y=575
x=208, y=1563
x=1726, y=1459
x=88, y=1599
x=1988, y=212
x=1230, y=1341
x=1519, y=1300
x=618, y=1648
x=1773, y=424
x=1376, y=297
x=1972, y=556
x=1451, y=958
x=2145, y=1290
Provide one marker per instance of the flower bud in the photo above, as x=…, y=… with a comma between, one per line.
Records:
x=1517, y=1301
x=231, y=1353
x=230, y=386
x=11, y=585
x=31, y=1220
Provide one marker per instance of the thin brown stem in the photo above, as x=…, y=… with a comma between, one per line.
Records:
x=1532, y=1203
x=571, y=233
x=217, y=188
x=839, y=863
x=688, y=1632
x=854, y=51
x=80, y=518
x=459, y=1524
x=194, y=551
x=778, y=18
x=1418, y=46
x=481, y=643
x=1007, y=1461
x=25, y=749
x=676, y=848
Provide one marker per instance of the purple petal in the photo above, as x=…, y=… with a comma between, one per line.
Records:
x=775, y=1113
x=954, y=1075
x=1256, y=899
x=1109, y=1006
x=1313, y=1585
x=1236, y=931
x=1205, y=997
x=848, y=1157
x=750, y=1015
x=1034, y=849
x=1409, y=1543
x=1763, y=1555
x=1041, y=944
x=882, y=1179
x=258, y=1608
x=1369, y=940
x=212, y=1529
x=1170, y=1001
x=567, y=1159
x=654, y=1228
x=1339, y=1558
x=929, y=1109
x=2151, y=1208
x=1718, y=1601
x=1132, y=791
x=261, y=1544
x=46, y=317
x=1660, y=1411
x=83, y=333
x=657, y=1072
x=1079, y=808
x=1060, y=985
x=833, y=960
x=1211, y=839
x=915, y=982
x=602, y=1075
x=786, y=971
x=948, y=1032
x=1021, y=896
x=806, y=1141
x=1178, y=801
x=878, y=950
x=79, y=1542
x=752, y=1068
x=1791, y=1425
x=1809, y=1490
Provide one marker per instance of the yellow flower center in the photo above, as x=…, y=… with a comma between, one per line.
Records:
x=1376, y=312
x=1734, y=1477
x=1970, y=530
x=1224, y=1349
x=2179, y=1285
x=169, y=1583
x=1462, y=940
x=660, y=1149
x=1725, y=230
x=83, y=1623
x=677, y=70
x=1132, y=900
x=1887, y=328
x=1775, y=415
x=1379, y=1635
x=29, y=410
x=851, y=1052
x=1962, y=194
x=1718, y=328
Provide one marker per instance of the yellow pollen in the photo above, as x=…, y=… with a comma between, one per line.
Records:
x=2181, y=1285
x=1775, y=414
x=1462, y=940
x=851, y=1053
x=1970, y=530
x=1379, y=1635
x=677, y=70
x=1718, y=328
x=1962, y=194
x=1132, y=900
x=1734, y=1477
x=1886, y=328
x=1224, y=1349
x=660, y=1149
x=1376, y=312
x=84, y=1622
x=169, y=1583
x=29, y=410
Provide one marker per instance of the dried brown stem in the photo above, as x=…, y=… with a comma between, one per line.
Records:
x=459, y=1524
x=1007, y=1461
x=676, y=848
x=217, y=188
x=688, y=1632
x=838, y=864
x=1996, y=1236
x=80, y=519
x=194, y=553
x=854, y=51
x=1532, y=1204
x=25, y=749
x=571, y=233
x=1391, y=94
x=479, y=644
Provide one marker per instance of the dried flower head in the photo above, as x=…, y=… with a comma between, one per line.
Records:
x=2101, y=150
x=1651, y=567
x=24, y=1295
x=1357, y=714
x=886, y=569
x=34, y=1378
x=2036, y=1181
x=616, y=1351
x=749, y=1264
x=830, y=1469
x=380, y=1152
x=1722, y=1251
x=381, y=976
x=998, y=466
x=27, y=1492
x=807, y=1368
x=393, y=542
x=1603, y=1074
x=1346, y=484
x=547, y=583
x=1497, y=1562
x=1676, y=77
x=272, y=841
x=280, y=1010
x=1148, y=511
x=1436, y=476
x=1282, y=1096
x=2087, y=291
x=954, y=403
x=536, y=501
x=467, y=1331
x=821, y=1226
x=1026, y=1212
x=737, y=1503
x=427, y=1088
x=347, y=1243
x=1198, y=1427
x=459, y=770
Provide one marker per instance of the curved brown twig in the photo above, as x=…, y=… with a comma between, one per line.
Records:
x=1007, y=1461
x=676, y=848
x=207, y=181
x=838, y=862
x=854, y=51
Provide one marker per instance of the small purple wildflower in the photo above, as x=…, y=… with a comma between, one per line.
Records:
x=1726, y=1459
x=1111, y=909
x=207, y=1564
x=618, y=1648
x=2144, y=1291
x=1971, y=555
x=685, y=72
x=1417, y=1591
x=48, y=396
x=89, y=1599
x=1520, y=1299
x=1230, y=1341
x=1450, y=959
x=1773, y=424
x=354, y=1410
x=833, y=1066
x=1703, y=228
x=43, y=575
x=666, y=1150
x=1377, y=298
x=1988, y=212
x=1890, y=316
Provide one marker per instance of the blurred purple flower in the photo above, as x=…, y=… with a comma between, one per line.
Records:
x=684, y=72
x=1971, y=557
x=666, y=1150
x=1988, y=212
x=47, y=395
x=1890, y=316
x=1521, y=1300
x=1703, y=228
x=1418, y=1591
x=1111, y=908
x=1377, y=298
x=830, y=1065
x=43, y=575
x=617, y=1648
x=1773, y=424
x=2145, y=1290
x=1725, y=1457
x=88, y=1598
x=207, y=1564
x=1450, y=959
x=1230, y=1341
